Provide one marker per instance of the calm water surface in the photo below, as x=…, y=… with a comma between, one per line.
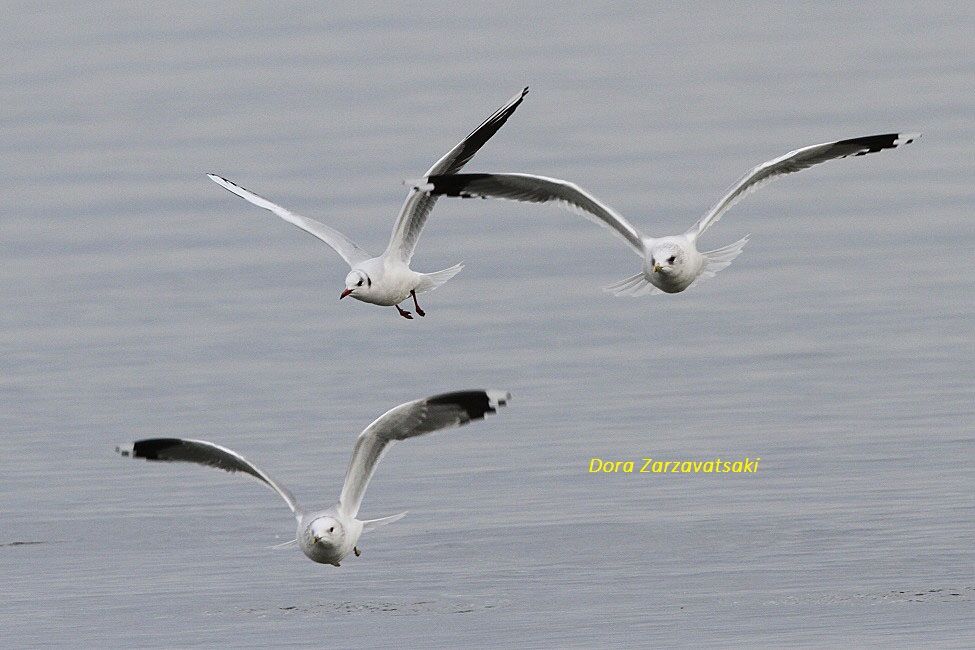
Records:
x=138, y=299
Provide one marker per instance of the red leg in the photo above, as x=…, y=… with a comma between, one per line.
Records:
x=404, y=313
x=416, y=304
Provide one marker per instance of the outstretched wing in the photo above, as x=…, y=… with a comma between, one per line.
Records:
x=406, y=421
x=533, y=189
x=202, y=452
x=798, y=160
x=417, y=207
x=342, y=245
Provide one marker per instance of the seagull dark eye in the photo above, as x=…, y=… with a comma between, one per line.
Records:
x=670, y=260
x=331, y=529
x=359, y=283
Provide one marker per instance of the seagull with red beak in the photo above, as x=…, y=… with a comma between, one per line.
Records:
x=388, y=280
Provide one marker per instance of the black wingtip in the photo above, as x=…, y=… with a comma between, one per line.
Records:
x=475, y=403
x=214, y=177
x=875, y=143
x=453, y=185
x=149, y=448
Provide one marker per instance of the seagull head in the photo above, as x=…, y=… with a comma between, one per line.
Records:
x=326, y=531
x=357, y=281
x=666, y=258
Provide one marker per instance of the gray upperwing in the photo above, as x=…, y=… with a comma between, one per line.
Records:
x=407, y=421
x=796, y=161
x=206, y=453
x=534, y=189
x=341, y=244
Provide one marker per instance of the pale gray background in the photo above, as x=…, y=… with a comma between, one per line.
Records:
x=138, y=299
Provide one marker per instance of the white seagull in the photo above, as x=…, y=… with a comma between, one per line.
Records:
x=387, y=279
x=673, y=263
x=327, y=536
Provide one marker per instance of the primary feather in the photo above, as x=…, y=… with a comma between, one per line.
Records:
x=413, y=215
x=796, y=161
x=206, y=453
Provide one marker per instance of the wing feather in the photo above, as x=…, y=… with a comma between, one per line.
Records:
x=341, y=244
x=206, y=453
x=534, y=189
x=798, y=160
x=416, y=209
x=408, y=420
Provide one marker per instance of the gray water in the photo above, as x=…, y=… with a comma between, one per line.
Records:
x=137, y=299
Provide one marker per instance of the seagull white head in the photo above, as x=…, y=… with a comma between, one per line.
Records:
x=327, y=531
x=667, y=257
x=356, y=282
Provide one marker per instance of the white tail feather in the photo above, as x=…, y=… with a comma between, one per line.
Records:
x=720, y=258
x=293, y=542
x=431, y=281
x=373, y=524
x=635, y=285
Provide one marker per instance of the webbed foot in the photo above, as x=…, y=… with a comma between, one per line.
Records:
x=419, y=311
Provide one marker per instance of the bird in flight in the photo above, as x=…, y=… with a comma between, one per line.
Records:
x=672, y=263
x=328, y=535
x=387, y=279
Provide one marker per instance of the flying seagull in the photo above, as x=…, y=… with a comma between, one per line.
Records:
x=327, y=536
x=388, y=280
x=672, y=263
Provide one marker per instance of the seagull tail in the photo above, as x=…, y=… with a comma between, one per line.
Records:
x=635, y=285
x=431, y=281
x=373, y=524
x=293, y=542
x=720, y=258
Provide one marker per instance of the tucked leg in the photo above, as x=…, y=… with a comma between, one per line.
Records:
x=404, y=313
x=416, y=304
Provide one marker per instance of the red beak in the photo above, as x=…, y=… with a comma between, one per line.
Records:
x=345, y=293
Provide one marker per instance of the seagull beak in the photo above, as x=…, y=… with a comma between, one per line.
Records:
x=345, y=293
x=656, y=268
x=317, y=539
